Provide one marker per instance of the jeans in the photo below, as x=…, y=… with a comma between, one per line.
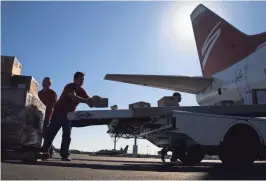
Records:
x=56, y=123
x=45, y=129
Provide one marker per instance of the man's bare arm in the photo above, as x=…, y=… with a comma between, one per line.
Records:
x=75, y=97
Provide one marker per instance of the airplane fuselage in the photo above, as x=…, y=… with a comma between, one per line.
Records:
x=235, y=81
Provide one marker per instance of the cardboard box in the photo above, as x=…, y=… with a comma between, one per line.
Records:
x=25, y=82
x=100, y=102
x=140, y=104
x=10, y=65
x=168, y=101
x=5, y=80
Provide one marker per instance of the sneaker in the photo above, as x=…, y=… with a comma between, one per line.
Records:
x=66, y=159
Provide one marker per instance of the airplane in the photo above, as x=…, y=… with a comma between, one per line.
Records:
x=112, y=152
x=232, y=63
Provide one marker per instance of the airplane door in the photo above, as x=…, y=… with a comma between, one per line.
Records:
x=241, y=78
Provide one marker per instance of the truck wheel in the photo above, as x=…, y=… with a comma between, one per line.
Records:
x=192, y=156
x=240, y=146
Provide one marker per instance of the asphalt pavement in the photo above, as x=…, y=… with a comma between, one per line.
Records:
x=83, y=167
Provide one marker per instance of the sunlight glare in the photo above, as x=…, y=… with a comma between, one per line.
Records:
x=176, y=23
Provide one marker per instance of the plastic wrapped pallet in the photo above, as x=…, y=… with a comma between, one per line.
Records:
x=22, y=116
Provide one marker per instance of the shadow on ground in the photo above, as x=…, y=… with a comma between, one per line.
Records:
x=114, y=161
x=214, y=171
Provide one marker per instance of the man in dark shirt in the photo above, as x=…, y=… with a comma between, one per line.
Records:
x=48, y=98
x=164, y=150
x=178, y=97
x=72, y=95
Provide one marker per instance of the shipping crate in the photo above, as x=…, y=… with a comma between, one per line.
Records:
x=168, y=101
x=25, y=82
x=140, y=104
x=10, y=65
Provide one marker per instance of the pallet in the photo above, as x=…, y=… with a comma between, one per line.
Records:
x=28, y=155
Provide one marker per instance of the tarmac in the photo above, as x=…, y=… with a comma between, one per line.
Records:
x=84, y=167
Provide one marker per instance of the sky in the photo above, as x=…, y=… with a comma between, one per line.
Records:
x=56, y=39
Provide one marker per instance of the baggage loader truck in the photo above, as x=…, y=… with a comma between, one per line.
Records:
x=234, y=133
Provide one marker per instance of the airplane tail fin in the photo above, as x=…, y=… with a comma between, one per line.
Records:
x=125, y=149
x=219, y=44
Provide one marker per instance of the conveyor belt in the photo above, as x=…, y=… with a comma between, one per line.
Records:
x=104, y=117
x=243, y=110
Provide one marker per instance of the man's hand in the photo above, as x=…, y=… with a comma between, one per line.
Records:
x=89, y=102
x=96, y=97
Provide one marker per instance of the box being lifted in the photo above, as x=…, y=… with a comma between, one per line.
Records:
x=10, y=65
x=168, y=101
x=99, y=102
x=140, y=104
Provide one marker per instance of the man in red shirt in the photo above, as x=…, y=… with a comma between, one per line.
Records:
x=72, y=95
x=48, y=98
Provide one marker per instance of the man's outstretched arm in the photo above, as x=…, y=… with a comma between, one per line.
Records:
x=75, y=97
x=69, y=90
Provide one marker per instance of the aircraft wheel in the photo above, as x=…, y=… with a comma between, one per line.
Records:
x=191, y=156
x=29, y=157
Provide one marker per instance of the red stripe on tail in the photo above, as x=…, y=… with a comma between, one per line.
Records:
x=219, y=44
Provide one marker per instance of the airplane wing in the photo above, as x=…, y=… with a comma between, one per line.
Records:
x=186, y=84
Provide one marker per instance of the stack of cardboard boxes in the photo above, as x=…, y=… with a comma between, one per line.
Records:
x=22, y=112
